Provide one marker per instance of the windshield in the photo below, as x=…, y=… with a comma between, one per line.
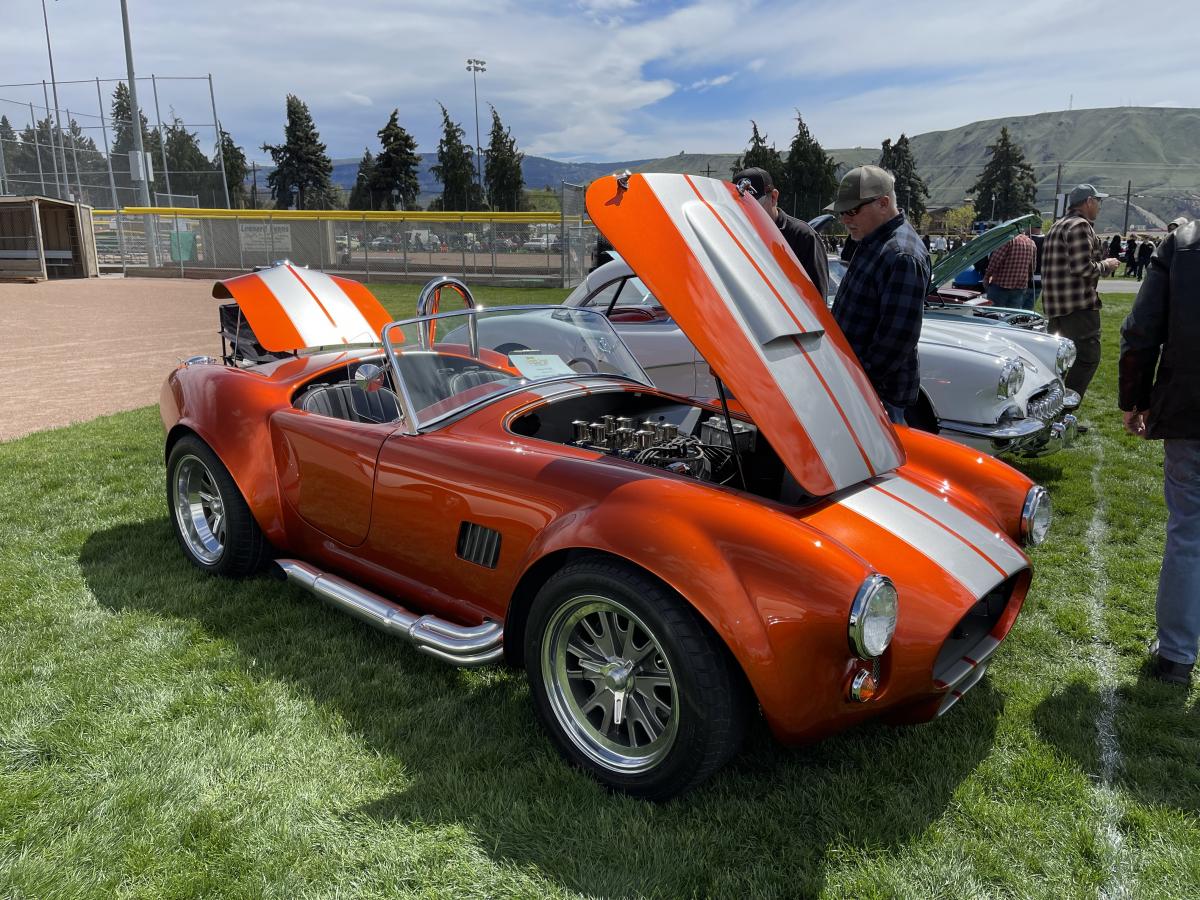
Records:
x=455, y=360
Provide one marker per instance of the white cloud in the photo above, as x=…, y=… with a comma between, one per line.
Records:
x=568, y=83
x=705, y=83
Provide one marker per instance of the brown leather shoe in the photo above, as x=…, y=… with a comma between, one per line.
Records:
x=1167, y=669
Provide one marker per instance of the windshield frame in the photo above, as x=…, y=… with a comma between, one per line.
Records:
x=413, y=425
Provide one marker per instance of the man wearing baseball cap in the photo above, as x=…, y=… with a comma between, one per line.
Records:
x=1072, y=264
x=881, y=299
x=809, y=250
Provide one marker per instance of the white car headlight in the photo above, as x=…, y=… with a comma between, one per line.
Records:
x=1012, y=376
x=1065, y=357
x=1036, y=515
x=873, y=617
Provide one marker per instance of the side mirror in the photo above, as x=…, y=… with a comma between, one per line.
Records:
x=370, y=377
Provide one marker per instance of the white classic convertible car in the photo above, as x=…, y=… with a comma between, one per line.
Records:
x=992, y=386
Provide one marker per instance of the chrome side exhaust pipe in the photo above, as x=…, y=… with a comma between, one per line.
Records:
x=455, y=644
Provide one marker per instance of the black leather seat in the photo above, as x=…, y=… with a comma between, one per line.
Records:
x=350, y=402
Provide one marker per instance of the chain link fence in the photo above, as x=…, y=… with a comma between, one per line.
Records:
x=497, y=248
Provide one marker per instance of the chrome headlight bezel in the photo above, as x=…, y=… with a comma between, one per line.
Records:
x=877, y=601
x=1036, y=516
x=1064, y=358
x=1012, y=376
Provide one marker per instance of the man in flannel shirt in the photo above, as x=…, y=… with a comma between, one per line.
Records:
x=1010, y=272
x=1072, y=264
x=881, y=299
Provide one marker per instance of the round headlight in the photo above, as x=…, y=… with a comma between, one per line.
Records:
x=1065, y=357
x=873, y=617
x=1012, y=376
x=1036, y=516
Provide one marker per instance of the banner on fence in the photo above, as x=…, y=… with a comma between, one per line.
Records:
x=265, y=237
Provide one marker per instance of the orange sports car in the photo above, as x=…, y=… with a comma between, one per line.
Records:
x=663, y=567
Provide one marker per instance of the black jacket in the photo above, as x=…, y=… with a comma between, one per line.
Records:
x=1162, y=333
x=808, y=248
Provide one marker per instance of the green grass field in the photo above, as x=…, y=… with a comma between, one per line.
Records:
x=164, y=734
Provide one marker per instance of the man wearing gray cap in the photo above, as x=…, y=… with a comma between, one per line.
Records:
x=1176, y=223
x=881, y=299
x=1072, y=264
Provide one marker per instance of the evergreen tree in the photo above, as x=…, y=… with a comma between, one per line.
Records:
x=190, y=170
x=361, y=193
x=809, y=175
x=395, y=169
x=301, y=165
x=236, y=170
x=455, y=168
x=18, y=161
x=502, y=172
x=1006, y=187
x=911, y=191
x=123, y=144
x=758, y=154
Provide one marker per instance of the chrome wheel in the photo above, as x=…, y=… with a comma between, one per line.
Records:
x=199, y=509
x=609, y=683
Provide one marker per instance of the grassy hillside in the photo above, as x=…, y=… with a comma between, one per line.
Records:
x=1157, y=149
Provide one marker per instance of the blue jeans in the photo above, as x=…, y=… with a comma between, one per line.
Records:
x=1006, y=296
x=895, y=413
x=1178, y=608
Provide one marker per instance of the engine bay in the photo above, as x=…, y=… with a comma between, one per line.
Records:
x=682, y=438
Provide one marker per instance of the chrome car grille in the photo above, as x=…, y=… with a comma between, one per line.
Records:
x=963, y=658
x=1047, y=404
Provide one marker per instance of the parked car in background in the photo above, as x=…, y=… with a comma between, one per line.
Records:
x=542, y=243
x=997, y=389
x=507, y=484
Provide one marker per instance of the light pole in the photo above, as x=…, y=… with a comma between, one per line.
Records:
x=474, y=66
x=64, y=188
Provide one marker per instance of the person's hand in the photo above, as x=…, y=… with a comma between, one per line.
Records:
x=1111, y=263
x=1135, y=422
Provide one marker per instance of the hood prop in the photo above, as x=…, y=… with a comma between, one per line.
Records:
x=737, y=454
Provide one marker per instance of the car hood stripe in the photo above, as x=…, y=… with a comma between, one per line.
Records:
x=976, y=557
x=694, y=243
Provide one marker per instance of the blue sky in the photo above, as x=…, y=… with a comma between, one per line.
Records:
x=611, y=80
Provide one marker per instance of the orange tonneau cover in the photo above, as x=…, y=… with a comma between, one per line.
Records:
x=291, y=308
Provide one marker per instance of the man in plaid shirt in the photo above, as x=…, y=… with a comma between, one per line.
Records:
x=1072, y=265
x=1010, y=272
x=881, y=299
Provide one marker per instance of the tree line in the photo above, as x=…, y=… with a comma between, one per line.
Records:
x=29, y=155
x=387, y=177
x=807, y=176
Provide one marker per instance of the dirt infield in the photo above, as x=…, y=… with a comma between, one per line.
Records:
x=74, y=350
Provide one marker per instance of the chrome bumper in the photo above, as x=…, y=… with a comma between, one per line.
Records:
x=1022, y=437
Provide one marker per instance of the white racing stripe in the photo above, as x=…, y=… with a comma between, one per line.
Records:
x=931, y=538
x=288, y=286
x=768, y=329
x=992, y=542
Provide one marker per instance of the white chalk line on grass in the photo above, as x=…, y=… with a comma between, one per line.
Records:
x=1111, y=808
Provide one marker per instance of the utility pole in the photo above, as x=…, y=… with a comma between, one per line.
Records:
x=57, y=117
x=136, y=116
x=1128, y=192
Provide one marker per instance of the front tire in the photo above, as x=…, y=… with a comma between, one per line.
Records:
x=211, y=520
x=631, y=684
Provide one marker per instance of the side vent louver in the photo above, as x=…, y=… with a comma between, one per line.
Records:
x=478, y=545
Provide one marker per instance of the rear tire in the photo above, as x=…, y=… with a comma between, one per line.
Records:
x=630, y=682
x=211, y=520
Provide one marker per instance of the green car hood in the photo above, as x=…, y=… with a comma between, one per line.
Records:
x=974, y=250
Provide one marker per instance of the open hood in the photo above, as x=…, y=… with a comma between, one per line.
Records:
x=976, y=249
x=722, y=269
x=291, y=308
